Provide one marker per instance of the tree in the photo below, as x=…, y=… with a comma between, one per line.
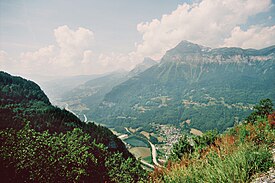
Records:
x=180, y=148
x=124, y=170
x=37, y=157
x=263, y=109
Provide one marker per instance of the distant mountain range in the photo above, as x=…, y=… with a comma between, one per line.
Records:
x=192, y=86
x=56, y=87
x=87, y=96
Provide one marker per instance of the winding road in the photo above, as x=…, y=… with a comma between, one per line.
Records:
x=67, y=108
x=85, y=118
x=154, y=154
x=147, y=164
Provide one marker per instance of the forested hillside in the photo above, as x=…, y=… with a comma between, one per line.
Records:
x=38, y=140
x=211, y=88
x=85, y=98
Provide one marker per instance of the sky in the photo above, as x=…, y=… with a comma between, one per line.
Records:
x=84, y=37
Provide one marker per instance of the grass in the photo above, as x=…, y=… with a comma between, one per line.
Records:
x=136, y=142
x=234, y=156
x=148, y=159
x=140, y=152
x=238, y=167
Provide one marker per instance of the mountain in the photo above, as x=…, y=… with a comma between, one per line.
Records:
x=147, y=63
x=22, y=102
x=56, y=87
x=87, y=97
x=212, y=88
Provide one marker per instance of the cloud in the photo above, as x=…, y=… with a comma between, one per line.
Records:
x=254, y=37
x=72, y=44
x=70, y=55
x=211, y=23
x=117, y=61
x=208, y=22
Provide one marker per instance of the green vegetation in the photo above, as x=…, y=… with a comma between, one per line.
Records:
x=238, y=167
x=136, y=141
x=234, y=156
x=121, y=170
x=42, y=143
x=181, y=88
x=38, y=156
x=261, y=110
x=148, y=159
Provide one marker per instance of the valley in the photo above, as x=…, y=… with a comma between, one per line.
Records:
x=170, y=91
x=191, y=90
x=152, y=148
x=151, y=117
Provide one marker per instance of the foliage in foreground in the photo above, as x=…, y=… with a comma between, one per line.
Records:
x=31, y=156
x=235, y=156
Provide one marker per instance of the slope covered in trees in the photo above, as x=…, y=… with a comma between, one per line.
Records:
x=42, y=143
x=214, y=88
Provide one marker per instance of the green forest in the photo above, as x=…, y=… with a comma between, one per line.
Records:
x=43, y=143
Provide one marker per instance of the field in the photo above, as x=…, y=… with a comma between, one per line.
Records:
x=148, y=159
x=146, y=134
x=140, y=152
x=136, y=142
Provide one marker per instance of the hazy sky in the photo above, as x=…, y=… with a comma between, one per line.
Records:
x=66, y=37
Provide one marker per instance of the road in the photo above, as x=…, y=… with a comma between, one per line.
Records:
x=85, y=118
x=154, y=151
x=127, y=130
x=154, y=154
x=147, y=164
x=67, y=108
x=123, y=136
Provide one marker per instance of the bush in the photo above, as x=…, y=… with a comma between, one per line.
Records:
x=39, y=156
x=238, y=167
x=262, y=110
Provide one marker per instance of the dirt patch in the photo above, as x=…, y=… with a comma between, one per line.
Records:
x=196, y=132
x=146, y=134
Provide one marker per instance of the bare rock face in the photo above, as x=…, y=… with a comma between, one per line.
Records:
x=190, y=53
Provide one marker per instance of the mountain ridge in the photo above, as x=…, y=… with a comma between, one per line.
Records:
x=176, y=90
x=185, y=50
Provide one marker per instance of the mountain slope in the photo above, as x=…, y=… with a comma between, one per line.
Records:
x=23, y=100
x=56, y=87
x=87, y=97
x=55, y=140
x=212, y=87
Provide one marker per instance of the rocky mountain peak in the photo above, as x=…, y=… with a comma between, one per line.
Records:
x=188, y=52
